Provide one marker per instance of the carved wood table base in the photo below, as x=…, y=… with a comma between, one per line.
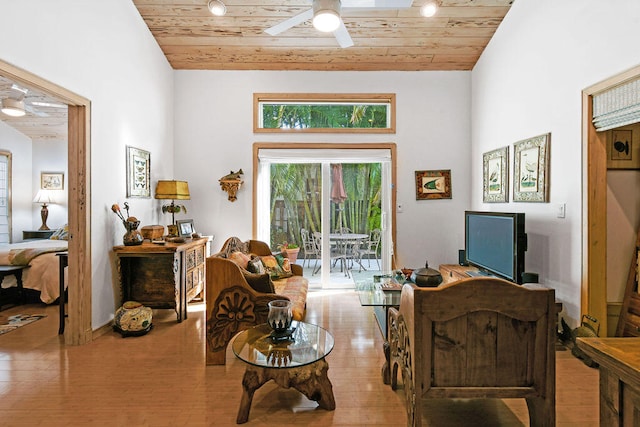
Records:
x=310, y=380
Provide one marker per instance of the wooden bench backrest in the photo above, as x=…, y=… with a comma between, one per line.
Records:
x=481, y=334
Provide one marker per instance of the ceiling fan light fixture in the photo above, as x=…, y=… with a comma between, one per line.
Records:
x=326, y=15
x=429, y=9
x=13, y=107
x=217, y=8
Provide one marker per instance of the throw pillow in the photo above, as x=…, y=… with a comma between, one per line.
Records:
x=285, y=265
x=240, y=258
x=255, y=265
x=259, y=282
x=61, y=233
x=273, y=267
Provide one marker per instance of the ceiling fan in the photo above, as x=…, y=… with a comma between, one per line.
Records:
x=17, y=106
x=326, y=16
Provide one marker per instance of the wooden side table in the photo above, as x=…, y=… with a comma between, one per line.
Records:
x=37, y=234
x=163, y=276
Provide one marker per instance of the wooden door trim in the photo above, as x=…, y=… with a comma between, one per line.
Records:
x=79, y=329
x=593, y=295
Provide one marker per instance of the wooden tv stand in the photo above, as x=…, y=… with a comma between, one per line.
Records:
x=453, y=272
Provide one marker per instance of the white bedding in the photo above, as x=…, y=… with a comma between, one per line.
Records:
x=43, y=273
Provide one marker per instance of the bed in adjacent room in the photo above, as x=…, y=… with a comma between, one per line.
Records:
x=43, y=274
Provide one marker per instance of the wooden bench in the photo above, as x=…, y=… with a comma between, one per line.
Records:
x=13, y=270
x=475, y=338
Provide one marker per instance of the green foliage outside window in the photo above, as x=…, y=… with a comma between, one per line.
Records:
x=316, y=116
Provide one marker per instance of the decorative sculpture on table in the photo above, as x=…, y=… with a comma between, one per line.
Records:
x=132, y=237
x=231, y=183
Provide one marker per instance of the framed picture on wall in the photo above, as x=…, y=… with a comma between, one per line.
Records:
x=52, y=181
x=495, y=176
x=531, y=169
x=434, y=184
x=138, y=173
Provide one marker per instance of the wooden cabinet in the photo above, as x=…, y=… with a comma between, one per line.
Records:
x=619, y=360
x=163, y=276
x=453, y=272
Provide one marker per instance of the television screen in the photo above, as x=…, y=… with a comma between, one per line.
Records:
x=495, y=242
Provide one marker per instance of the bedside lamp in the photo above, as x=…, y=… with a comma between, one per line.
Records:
x=173, y=190
x=44, y=197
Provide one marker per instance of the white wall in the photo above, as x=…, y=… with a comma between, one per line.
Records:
x=103, y=51
x=529, y=82
x=21, y=149
x=50, y=156
x=213, y=135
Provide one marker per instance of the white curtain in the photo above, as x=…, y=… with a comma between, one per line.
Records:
x=618, y=106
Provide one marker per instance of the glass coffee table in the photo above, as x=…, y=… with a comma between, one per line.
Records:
x=381, y=291
x=298, y=362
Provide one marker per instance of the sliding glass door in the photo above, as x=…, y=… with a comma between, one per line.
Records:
x=337, y=198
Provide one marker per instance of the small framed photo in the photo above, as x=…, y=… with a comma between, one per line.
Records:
x=531, y=170
x=622, y=151
x=495, y=176
x=185, y=227
x=435, y=184
x=138, y=173
x=52, y=181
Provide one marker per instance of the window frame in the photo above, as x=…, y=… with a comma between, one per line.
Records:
x=337, y=98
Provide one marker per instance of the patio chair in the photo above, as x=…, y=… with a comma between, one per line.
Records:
x=336, y=255
x=308, y=246
x=370, y=247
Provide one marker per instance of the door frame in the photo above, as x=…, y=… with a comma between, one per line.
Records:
x=331, y=146
x=78, y=330
x=593, y=295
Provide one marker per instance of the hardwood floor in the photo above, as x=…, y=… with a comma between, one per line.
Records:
x=160, y=379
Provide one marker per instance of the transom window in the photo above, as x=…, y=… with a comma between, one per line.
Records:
x=329, y=113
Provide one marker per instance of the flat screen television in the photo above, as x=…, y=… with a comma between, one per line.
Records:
x=496, y=243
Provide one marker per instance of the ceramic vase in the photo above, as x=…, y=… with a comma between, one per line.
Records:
x=280, y=316
x=132, y=319
x=132, y=237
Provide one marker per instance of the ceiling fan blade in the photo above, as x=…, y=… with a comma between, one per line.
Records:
x=35, y=112
x=289, y=23
x=342, y=36
x=377, y=4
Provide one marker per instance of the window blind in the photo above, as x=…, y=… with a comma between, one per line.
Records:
x=618, y=106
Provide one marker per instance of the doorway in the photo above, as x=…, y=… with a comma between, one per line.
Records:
x=328, y=211
x=594, y=256
x=78, y=330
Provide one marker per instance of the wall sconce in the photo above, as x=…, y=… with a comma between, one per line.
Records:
x=231, y=183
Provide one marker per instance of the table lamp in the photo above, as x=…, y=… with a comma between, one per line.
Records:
x=173, y=190
x=44, y=197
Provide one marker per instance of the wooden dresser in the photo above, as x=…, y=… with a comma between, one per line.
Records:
x=163, y=276
x=453, y=272
x=619, y=360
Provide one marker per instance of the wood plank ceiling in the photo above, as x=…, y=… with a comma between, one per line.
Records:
x=192, y=38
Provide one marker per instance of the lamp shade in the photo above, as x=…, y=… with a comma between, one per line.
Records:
x=174, y=190
x=326, y=15
x=44, y=196
x=13, y=107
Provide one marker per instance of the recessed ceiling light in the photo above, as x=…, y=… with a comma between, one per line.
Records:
x=217, y=8
x=13, y=107
x=429, y=9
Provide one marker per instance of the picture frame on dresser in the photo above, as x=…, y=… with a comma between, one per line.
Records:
x=185, y=227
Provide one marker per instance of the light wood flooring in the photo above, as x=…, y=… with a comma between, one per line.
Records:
x=160, y=379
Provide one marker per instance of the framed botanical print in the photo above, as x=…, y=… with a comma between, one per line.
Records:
x=52, y=180
x=531, y=170
x=434, y=184
x=138, y=173
x=495, y=176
